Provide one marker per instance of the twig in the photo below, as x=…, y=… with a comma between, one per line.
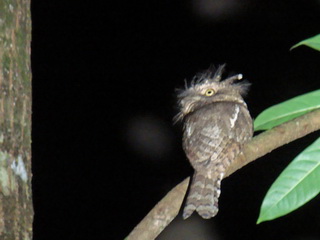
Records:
x=167, y=209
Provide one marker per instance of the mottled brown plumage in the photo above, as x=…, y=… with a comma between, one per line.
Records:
x=216, y=125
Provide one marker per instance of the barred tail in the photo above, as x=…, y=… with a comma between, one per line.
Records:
x=203, y=196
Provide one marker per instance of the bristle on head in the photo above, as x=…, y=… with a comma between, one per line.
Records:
x=212, y=74
x=232, y=79
x=218, y=73
x=215, y=75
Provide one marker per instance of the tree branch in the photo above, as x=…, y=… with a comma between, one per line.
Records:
x=167, y=209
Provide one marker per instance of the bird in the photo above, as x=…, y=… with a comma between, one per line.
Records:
x=216, y=125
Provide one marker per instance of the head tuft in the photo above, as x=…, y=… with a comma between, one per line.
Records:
x=193, y=97
x=212, y=74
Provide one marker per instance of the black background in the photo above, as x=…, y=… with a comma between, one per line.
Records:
x=105, y=150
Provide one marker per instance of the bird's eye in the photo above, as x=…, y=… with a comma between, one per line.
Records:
x=209, y=92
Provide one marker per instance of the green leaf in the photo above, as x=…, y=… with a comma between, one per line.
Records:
x=287, y=110
x=295, y=186
x=313, y=42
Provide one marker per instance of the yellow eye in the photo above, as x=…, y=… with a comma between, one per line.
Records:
x=209, y=92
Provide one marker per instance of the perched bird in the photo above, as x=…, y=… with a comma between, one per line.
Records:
x=216, y=125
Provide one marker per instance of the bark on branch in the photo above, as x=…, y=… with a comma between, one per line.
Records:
x=16, y=209
x=167, y=209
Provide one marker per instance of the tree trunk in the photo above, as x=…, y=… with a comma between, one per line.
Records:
x=16, y=212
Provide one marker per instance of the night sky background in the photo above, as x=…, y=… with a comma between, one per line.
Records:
x=105, y=149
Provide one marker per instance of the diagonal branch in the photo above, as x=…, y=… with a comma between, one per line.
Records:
x=168, y=208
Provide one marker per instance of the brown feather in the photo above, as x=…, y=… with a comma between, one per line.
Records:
x=215, y=128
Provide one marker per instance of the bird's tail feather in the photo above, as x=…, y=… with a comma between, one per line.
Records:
x=203, y=196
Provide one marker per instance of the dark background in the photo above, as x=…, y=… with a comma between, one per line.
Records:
x=105, y=150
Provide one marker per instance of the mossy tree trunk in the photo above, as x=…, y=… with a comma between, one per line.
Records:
x=16, y=212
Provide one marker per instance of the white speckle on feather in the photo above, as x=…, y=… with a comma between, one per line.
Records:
x=234, y=117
